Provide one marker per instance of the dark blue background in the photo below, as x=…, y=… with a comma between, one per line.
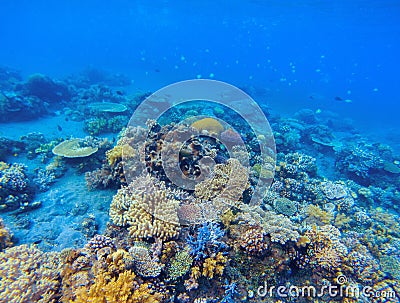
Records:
x=289, y=50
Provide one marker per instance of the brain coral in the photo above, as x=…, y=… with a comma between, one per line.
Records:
x=209, y=124
x=148, y=209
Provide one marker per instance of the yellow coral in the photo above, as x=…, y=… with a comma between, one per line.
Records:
x=115, y=154
x=28, y=275
x=226, y=186
x=118, y=289
x=208, y=124
x=214, y=265
x=341, y=221
x=148, y=209
x=195, y=272
x=315, y=215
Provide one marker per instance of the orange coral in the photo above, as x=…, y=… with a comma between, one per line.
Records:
x=208, y=124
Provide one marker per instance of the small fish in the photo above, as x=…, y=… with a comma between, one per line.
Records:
x=59, y=128
x=338, y=99
x=157, y=70
x=66, y=119
x=118, y=92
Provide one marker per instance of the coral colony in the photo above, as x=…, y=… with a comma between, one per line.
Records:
x=331, y=211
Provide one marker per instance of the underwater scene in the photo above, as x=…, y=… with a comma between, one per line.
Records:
x=213, y=151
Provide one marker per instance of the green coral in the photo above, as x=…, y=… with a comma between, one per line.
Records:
x=391, y=265
x=285, y=206
x=180, y=264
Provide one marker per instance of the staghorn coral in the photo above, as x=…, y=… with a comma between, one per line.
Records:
x=148, y=209
x=29, y=275
x=207, y=241
x=210, y=125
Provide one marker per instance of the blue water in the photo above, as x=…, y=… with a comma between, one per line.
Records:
x=299, y=53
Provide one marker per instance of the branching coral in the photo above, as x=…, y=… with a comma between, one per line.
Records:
x=208, y=241
x=118, y=289
x=325, y=249
x=29, y=275
x=254, y=240
x=280, y=228
x=214, y=266
x=315, y=215
x=148, y=209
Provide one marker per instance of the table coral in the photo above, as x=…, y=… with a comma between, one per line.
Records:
x=74, y=148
